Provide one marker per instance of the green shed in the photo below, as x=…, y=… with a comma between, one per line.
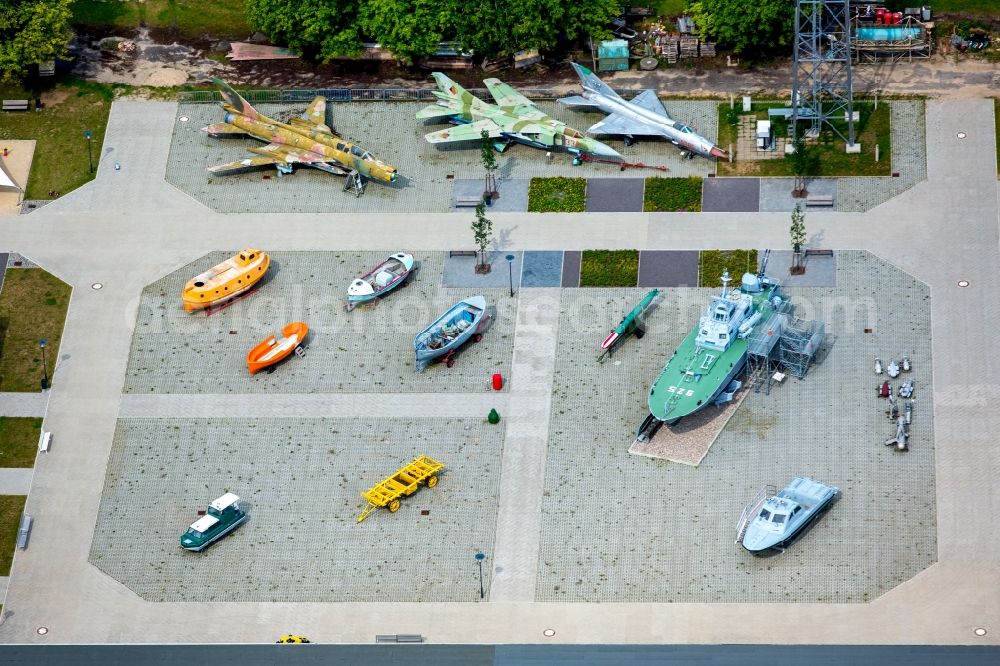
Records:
x=612, y=56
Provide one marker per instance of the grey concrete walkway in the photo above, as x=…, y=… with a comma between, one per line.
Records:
x=137, y=229
x=312, y=405
x=23, y=404
x=15, y=480
x=522, y=476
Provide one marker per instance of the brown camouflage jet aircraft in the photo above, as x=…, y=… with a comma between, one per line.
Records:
x=305, y=140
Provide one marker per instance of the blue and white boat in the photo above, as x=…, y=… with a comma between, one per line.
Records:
x=380, y=280
x=772, y=522
x=464, y=320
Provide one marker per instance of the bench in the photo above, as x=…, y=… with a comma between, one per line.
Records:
x=468, y=202
x=819, y=253
x=819, y=200
x=16, y=105
x=23, y=530
x=399, y=638
x=462, y=253
x=44, y=441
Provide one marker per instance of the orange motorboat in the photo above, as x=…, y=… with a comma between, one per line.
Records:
x=273, y=349
x=231, y=278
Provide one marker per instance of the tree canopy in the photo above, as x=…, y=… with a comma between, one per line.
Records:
x=31, y=32
x=412, y=29
x=749, y=27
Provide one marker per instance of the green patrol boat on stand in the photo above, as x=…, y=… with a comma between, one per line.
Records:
x=703, y=368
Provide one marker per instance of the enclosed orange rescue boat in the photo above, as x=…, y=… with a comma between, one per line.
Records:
x=273, y=349
x=231, y=278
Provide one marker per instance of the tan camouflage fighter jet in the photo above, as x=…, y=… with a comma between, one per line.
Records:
x=306, y=140
x=513, y=119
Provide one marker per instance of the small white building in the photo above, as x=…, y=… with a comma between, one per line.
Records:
x=765, y=140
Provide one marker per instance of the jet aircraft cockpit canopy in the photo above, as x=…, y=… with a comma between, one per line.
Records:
x=683, y=128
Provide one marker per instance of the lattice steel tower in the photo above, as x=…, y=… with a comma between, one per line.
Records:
x=821, y=67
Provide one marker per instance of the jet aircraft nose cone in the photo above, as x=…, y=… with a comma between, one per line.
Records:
x=603, y=150
x=718, y=152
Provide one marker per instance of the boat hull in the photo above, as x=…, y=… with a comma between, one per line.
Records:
x=272, y=350
x=225, y=281
x=202, y=546
x=472, y=311
x=366, y=287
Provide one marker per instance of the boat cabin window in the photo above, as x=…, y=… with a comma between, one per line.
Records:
x=723, y=336
x=242, y=257
x=765, y=514
x=252, y=256
x=357, y=151
x=779, y=518
x=341, y=147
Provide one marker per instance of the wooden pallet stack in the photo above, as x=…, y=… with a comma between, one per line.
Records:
x=707, y=50
x=670, y=44
x=688, y=47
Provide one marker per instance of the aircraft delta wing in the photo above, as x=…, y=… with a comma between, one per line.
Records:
x=644, y=115
x=306, y=140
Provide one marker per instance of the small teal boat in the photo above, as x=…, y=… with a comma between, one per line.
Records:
x=464, y=320
x=223, y=516
x=772, y=522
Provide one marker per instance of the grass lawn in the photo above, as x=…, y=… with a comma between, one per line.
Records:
x=557, y=195
x=11, y=507
x=609, y=268
x=985, y=8
x=19, y=441
x=192, y=18
x=672, y=194
x=712, y=263
x=33, y=306
x=60, y=162
x=872, y=128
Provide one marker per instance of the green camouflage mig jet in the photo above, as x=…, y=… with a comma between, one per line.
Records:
x=513, y=119
x=306, y=140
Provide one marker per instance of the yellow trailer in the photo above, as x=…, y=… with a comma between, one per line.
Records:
x=388, y=491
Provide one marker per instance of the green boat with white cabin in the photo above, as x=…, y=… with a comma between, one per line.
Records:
x=704, y=368
x=223, y=516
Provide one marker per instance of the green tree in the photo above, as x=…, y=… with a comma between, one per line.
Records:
x=31, y=32
x=489, y=158
x=748, y=27
x=410, y=29
x=482, y=230
x=317, y=29
x=805, y=162
x=797, y=232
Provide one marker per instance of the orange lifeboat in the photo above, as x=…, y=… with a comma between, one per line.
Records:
x=229, y=279
x=274, y=349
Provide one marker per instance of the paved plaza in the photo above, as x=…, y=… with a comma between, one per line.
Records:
x=908, y=554
x=390, y=132
x=618, y=527
x=301, y=482
x=367, y=350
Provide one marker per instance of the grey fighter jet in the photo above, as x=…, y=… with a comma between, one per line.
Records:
x=643, y=116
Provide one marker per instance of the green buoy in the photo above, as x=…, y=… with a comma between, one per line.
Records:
x=494, y=417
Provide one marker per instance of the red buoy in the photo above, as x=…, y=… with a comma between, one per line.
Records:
x=497, y=381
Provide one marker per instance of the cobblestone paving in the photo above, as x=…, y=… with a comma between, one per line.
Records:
x=390, y=132
x=909, y=160
x=622, y=528
x=746, y=142
x=367, y=350
x=300, y=480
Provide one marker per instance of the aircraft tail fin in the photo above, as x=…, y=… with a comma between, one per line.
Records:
x=234, y=100
x=590, y=81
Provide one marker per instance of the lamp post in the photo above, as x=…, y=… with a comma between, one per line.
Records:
x=510, y=272
x=89, y=136
x=479, y=559
x=45, y=371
